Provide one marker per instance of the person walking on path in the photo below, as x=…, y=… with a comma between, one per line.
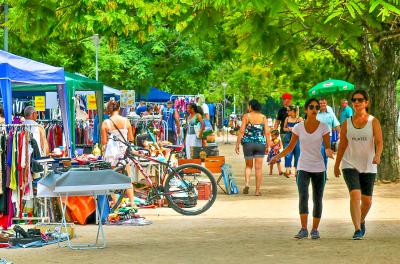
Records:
x=327, y=117
x=283, y=113
x=193, y=120
x=290, y=122
x=345, y=111
x=359, y=153
x=275, y=147
x=255, y=138
x=311, y=133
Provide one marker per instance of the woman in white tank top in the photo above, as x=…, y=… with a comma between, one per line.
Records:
x=359, y=153
x=109, y=128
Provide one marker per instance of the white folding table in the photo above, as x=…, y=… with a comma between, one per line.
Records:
x=84, y=183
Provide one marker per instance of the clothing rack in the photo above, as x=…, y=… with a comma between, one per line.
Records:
x=49, y=121
x=145, y=120
x=181, y=95
x=43, y=206
x=18, y=125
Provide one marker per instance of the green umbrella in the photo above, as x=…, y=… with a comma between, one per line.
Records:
x=330, y=87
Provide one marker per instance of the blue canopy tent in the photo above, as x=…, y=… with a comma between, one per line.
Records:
x=155, y=95
x=19, y=70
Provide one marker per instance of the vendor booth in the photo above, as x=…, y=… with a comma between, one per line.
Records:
x=155, y=95
x=74, y=83
x=21, y=71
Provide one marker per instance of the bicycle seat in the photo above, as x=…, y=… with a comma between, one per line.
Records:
x=174, y=147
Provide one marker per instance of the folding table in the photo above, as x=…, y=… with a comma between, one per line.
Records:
x=83, y=183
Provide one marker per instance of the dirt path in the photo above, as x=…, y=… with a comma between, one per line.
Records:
x=244, y=229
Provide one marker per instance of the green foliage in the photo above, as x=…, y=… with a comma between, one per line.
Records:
x=259, y=47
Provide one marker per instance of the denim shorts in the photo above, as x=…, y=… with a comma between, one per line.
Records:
x=253, y=150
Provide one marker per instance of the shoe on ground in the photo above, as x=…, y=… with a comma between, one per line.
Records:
x=358, y=235
x=314, y=234
x=246, y=190
x=303, y=233
x=363, y=230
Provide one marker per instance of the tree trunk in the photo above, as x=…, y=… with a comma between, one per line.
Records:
x=384, y=107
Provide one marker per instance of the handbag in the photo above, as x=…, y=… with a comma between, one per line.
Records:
x=113, y=148
x=197, y=129
x=207, y=129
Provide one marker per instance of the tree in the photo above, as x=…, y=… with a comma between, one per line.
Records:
x=362, y=36
x=139, y=47
x=260, y=47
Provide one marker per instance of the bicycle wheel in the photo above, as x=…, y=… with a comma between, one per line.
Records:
x=190, y=189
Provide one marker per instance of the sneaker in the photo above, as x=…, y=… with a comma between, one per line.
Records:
x=315, y=234
x=303, y=233
x=363, y=230
x=358, y=235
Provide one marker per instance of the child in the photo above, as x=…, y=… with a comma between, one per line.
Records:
x=275, y=147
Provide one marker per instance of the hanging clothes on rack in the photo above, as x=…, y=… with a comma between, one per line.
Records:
x=143, y=125
x=84, y=132
x=14, y=176
x=54, y=133
x=182, y=102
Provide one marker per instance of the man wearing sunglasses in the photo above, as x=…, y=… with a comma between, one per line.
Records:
x=328, y=118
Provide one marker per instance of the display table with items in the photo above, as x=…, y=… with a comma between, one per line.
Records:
x=83, y=182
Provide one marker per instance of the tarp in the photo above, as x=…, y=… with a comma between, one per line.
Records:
x=155, y=95
x=19, y=70
x=74, y=82
x=107, y=90
x=82, y=182
x=110, y=90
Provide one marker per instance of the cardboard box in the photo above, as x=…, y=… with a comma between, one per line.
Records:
x=46, y=228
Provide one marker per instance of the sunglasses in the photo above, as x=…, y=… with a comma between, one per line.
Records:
x=360, y=100
x=311, y=107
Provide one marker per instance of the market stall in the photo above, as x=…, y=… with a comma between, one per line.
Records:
x=74, y=83
x=154, y=95
x=21, y=71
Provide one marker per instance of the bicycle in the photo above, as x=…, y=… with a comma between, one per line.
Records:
x=190, y=189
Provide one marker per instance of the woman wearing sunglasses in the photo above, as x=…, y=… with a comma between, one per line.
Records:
x=359, y=153
x=311, y=167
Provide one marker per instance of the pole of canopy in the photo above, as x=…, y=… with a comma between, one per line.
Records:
x=5, y=27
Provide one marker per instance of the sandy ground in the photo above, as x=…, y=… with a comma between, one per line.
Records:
x=244, y=229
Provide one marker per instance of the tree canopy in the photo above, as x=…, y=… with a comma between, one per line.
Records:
x=260, y=48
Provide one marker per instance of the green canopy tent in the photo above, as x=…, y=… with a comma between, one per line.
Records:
x=74, y=82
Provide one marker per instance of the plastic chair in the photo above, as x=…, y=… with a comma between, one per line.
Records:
x=188, y=161
x=214, y=164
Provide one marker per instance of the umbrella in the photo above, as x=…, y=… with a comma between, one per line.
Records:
x=330, y=87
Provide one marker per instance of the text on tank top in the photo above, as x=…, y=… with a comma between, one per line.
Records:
x=360, y=150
